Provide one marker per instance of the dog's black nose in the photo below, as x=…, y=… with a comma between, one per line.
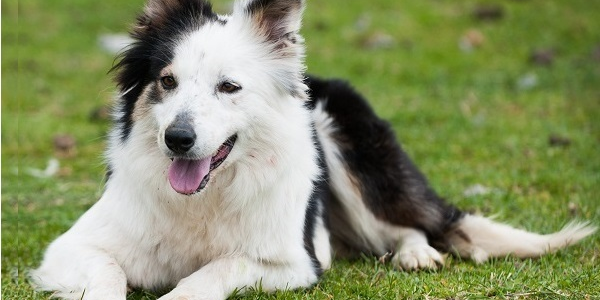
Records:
x=180, y=138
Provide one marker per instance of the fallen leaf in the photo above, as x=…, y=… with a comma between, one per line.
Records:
x=64, y=145
x=488, y=12
x=556, y=140
x=573, y=208
x=378, y=40
x=542, y=57
x=52, y=167
x=471, y=40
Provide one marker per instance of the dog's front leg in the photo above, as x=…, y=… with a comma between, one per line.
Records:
x=79, y=272
x=107, y=282
x=218, y=279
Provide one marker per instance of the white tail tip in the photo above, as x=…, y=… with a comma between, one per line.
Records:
x=480, y=238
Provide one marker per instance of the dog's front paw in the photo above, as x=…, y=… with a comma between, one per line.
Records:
x=417, y=256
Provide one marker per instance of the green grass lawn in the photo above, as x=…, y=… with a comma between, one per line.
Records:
x=481, y=116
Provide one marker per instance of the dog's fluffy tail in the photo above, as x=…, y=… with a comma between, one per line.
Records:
x=480, y=238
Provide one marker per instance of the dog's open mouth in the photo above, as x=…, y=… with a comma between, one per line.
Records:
x=189, y=176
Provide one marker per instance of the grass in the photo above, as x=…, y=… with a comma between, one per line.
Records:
x=465, y=117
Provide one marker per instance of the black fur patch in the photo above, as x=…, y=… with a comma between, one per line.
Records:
x=155, y=34
x=318, y=199
x=391, y=185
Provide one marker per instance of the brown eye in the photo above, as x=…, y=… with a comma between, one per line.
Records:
x=168, y=82
x=229, y=87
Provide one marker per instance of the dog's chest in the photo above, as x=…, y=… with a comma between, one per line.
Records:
x=170, y=237
x=175, y=248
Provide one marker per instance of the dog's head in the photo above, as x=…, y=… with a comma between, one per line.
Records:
x=200, y=81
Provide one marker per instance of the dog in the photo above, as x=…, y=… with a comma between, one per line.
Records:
x=229, y=167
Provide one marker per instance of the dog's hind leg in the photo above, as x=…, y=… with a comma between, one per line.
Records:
x=382, y=203
x=355, y=228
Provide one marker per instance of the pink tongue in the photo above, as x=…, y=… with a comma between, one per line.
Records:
x=186, y=175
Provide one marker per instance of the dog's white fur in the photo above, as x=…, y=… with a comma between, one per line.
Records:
x=142, y=233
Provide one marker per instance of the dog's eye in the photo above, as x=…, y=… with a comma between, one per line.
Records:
x=168, y=82
x=229, y=87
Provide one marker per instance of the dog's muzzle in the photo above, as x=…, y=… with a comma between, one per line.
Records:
x=190, y=175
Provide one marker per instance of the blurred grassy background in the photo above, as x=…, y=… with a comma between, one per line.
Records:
x=503, y=94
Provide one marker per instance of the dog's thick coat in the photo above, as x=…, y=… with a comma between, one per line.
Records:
x=229, y=168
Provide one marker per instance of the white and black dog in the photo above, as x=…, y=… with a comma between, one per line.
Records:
x=229, y=168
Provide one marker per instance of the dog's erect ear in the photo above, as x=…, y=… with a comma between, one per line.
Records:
x=277, y=20
x=156, y=12
x=159, y=13
x=155, y=15
x=276, y=24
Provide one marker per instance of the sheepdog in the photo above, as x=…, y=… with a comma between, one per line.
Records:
x=229, y=167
